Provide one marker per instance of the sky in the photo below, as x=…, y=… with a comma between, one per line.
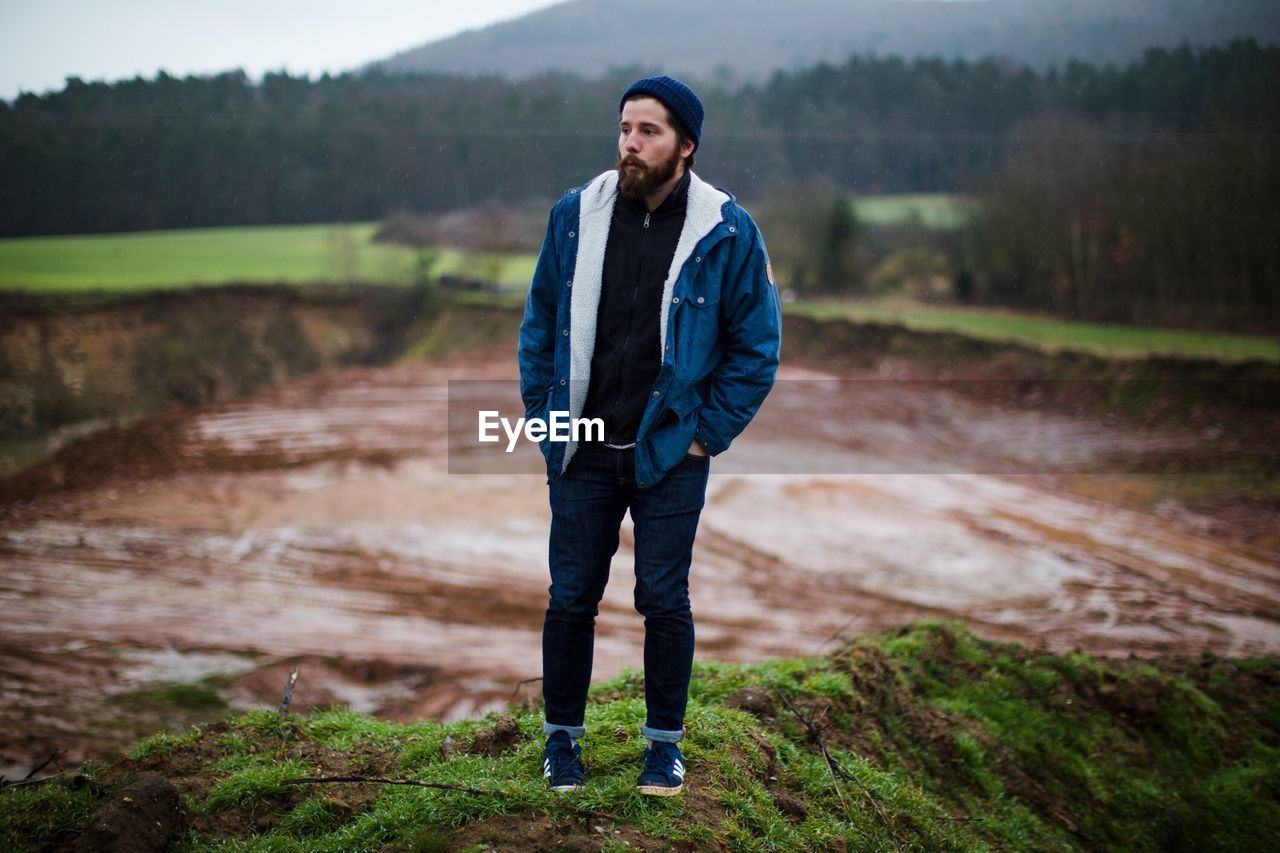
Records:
x=43, y=43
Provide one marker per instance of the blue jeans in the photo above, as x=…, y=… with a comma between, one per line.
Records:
x=587, y=505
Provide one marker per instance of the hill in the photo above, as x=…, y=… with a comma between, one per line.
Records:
x=703, y=41
x=926, y=737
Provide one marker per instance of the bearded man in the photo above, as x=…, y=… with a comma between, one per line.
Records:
x=653, y=308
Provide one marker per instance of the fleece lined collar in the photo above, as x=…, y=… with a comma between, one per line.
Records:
x=704, y=211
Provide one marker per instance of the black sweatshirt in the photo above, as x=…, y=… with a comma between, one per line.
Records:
x=627, y=354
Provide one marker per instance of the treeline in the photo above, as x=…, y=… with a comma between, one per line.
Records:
x=200, y=151
x=1183, y=236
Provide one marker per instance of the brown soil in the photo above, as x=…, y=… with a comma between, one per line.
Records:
x=516, y=833
x=141, y=818
x=186, y=769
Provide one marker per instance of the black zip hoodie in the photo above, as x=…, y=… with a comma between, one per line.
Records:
x=627, y=354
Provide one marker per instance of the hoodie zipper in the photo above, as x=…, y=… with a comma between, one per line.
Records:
x=631, y=308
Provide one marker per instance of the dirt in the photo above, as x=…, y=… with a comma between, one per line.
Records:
x=521, y=832
x=187, y=770
x=503, y=735
x=326, y=523
x=141, y=818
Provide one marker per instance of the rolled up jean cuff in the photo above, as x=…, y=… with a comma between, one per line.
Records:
x=661, y=735
x=575, y=732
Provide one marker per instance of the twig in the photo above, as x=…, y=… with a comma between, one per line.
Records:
x=27, y=780
x=288, y=692
x=835, y=768
x=317, y=780
x=7, y=785
x=816, y=737
x=838, y=632
x=443, y=786
x=41, y=765
x=520, y=684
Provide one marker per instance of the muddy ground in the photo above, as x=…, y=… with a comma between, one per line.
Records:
x=317, y=524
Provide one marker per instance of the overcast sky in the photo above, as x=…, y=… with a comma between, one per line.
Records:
x=42, y=42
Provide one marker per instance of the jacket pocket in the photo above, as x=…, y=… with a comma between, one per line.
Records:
x=672, y=435
x=703, y=297
x=698, y=320
x=544, y=412
x=686, y=403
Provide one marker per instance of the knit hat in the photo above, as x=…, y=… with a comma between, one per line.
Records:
x=677, y=97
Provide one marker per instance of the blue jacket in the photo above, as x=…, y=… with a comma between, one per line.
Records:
x=720, y=329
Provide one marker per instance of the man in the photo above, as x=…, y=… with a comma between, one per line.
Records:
x=653, y=308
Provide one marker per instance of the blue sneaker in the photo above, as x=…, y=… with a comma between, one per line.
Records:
x=562, y=763
x=663, y=774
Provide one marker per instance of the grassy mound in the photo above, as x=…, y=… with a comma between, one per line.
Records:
x=922, y=738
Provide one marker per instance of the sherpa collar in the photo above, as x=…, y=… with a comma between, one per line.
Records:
x=703, y=212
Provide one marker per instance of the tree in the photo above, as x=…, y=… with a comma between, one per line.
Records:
x=836, y=261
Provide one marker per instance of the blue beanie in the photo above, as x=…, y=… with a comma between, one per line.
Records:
x=677, y=97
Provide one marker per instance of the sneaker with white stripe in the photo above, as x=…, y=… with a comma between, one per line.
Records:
x=663, y=774
x=562, y=763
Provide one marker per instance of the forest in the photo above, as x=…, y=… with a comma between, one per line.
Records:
x=1136, y=193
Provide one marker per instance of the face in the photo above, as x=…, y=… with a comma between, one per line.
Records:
x=649, y=153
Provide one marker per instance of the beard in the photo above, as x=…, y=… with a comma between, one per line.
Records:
x=639, y=184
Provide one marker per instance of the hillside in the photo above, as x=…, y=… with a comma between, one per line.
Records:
x=922, y=737
x=699, y=39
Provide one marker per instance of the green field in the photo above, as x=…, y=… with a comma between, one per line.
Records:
x=1052, y=335
x=212, y=256
x=1044, y=333
x=934, y=210
x=346, y=253
x=298, y=253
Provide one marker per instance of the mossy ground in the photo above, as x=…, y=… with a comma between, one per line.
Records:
x=940, y=741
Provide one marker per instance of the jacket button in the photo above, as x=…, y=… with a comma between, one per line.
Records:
x=701, y=300
x=698, y=260
x=675, y=300
x=570, y=233
x=657, y=393
x=569, y=283
x=668, y=347
x=561, y=381
x=731, y=230
x=566, y=331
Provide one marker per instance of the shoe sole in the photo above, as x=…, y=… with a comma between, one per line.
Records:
x=659, y=790
x=560, y=789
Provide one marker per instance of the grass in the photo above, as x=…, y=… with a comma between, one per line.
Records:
x=338, y=253
x=1050, y=334
x=1047, y=334
x=18, y=453
x=932, y=210
x=943, y=741
x=213, y=256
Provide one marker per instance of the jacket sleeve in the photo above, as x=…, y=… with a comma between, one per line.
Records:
x=537, y=330
x=751, y=318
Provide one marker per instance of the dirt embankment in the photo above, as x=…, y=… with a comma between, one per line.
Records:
x=98, y=359
x=65, y=359
x=163, y=354
x=894, y=350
